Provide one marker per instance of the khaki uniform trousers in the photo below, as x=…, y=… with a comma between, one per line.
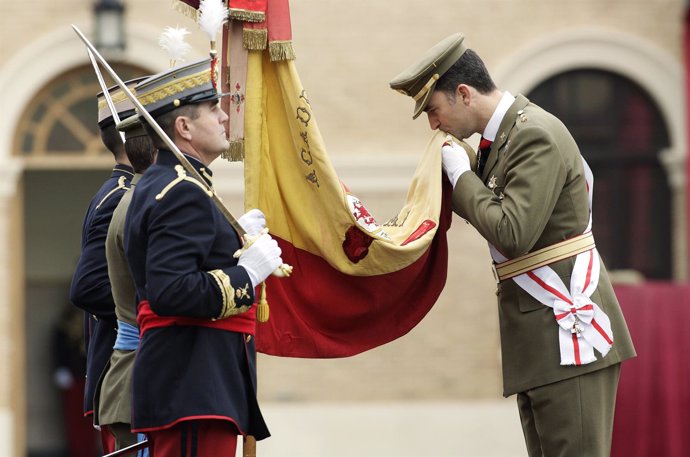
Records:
x=571, y=418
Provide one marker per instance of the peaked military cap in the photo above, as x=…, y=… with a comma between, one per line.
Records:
x=132, y=127
x=418, y=81
x=122, y=104
x=183, y=85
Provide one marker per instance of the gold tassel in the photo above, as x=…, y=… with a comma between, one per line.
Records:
x=235, y=152
x=247, y=15
x=281, y=50
x=182, y=7
x=255, y=39
x=262, y=310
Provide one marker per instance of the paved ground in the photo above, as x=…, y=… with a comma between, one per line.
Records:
x=393, y=429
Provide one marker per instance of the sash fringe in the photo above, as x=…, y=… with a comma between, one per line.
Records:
x=281, y=50
x=255, y=39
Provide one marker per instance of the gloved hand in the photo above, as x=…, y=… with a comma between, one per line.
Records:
x=455, y=160
x=261, y=259
x=253, y=221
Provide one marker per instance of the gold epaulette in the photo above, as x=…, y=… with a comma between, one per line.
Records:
x=182, y=176
x=120, y=185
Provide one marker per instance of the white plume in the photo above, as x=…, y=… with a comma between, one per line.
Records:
x=211, y=17
x=172, y=41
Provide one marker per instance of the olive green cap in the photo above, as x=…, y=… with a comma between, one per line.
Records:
x=132, y=127
x=418, y=81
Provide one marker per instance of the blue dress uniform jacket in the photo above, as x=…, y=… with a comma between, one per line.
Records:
x=175, y=236
x=90, y=288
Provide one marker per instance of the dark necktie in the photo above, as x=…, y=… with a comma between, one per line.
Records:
x=484, y=149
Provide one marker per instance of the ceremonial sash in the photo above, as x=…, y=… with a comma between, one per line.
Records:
x=241, y=323
x=583, y=326
x=127, y=337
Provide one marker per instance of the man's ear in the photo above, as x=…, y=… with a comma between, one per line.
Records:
x=182, y=128
x=463, y=93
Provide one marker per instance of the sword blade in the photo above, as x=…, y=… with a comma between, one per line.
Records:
x=129, y=449
x=157, y=128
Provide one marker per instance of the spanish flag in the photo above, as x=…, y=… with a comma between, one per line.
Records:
x=357, y=283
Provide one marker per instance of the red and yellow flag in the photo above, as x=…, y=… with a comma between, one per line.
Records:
x=356, y=283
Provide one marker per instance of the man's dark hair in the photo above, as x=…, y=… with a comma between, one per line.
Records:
x=167, y=123
x=140, y=152
x=468, y=69
x=112, y=140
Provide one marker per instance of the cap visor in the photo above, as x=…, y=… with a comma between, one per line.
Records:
x=422, y=102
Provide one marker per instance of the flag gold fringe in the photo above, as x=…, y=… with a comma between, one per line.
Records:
x=182, y=7
x=281, y=50
x=247, y=15
x=255, y=39
x=235, y=152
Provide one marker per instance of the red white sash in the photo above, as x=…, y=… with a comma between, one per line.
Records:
x=583, y=326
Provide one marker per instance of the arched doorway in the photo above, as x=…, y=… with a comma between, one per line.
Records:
x=621, y=134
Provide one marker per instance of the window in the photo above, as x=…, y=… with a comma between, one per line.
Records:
x=620, y=132
x=61, y=120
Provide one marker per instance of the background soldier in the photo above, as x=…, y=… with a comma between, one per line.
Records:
x=115, y=391
x=90, y=287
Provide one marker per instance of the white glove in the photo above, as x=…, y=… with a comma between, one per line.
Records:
x=455, y=161
x=253, y=221
x=261, y=259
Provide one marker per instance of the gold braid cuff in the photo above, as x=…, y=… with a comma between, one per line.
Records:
x=227, y=292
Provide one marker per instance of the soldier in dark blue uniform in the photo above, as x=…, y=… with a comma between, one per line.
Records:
x=90, y=288
x=194, y=381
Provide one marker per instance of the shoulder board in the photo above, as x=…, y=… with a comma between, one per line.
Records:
x=182, y=176
x=120, y=185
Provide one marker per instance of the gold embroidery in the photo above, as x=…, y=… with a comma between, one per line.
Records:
x=182, y=176
x=241, y=293
x=120, y=185
x=228, y=306
x=175, y=87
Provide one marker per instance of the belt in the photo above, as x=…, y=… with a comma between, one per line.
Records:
x=544, y=256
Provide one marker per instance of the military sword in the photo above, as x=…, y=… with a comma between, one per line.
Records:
x=129, y=449
x=106, y=93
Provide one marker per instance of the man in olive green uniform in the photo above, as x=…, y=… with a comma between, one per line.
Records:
x=114, y=395
x=530, y=199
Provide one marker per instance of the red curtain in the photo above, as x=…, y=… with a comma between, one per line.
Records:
x=653, y=404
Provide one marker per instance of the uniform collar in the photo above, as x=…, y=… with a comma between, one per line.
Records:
x=499, y=113
x=122, y=170
x=167, y=158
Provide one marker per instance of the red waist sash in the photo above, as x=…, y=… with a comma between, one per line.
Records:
x=241, y=323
